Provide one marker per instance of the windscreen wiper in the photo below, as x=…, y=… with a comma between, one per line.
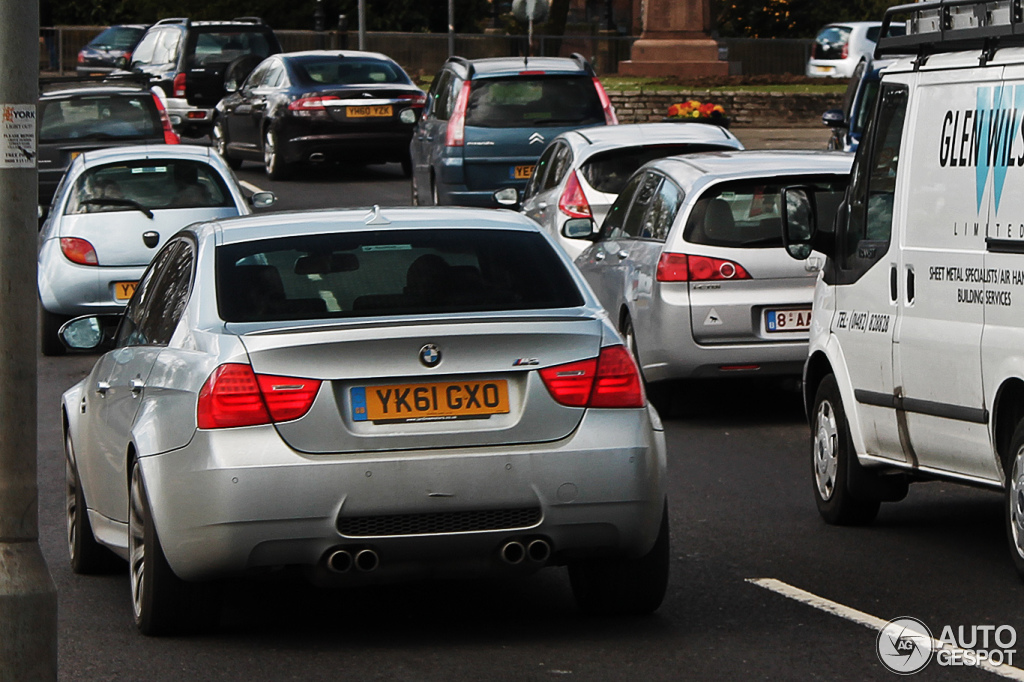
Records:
x=111, y=201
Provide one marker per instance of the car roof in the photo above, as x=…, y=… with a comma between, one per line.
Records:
x=639, y=134
x=65, y=87
x=147, y=151
x=333, y=53
x=851, y=24
x=270, y=225
x=707, y=167
x=492, y=67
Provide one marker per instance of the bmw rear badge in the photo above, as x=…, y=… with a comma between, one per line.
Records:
x=430, y=355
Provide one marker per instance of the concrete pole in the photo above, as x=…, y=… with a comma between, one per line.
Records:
x=28, y=598
x=362, y=24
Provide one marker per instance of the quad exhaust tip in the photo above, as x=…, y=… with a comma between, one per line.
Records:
x=367, y=560
x=538, y=550
x=513, y=552
x=340, y=561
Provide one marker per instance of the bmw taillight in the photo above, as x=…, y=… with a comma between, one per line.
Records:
x=234, y=395
x=679, y=267
x=78, y=251
x=609, y=380
x=179, y=85
x=456, y=135
x=573, y=201
x=170, y=137
x=606, y=104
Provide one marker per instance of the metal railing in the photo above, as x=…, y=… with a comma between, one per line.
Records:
x=424, y=53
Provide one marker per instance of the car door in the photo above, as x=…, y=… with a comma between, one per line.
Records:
x=942, y=269
x=243, y=113
x=430, y=134
x=603, y=263
x=115, y=397
x=864, y=272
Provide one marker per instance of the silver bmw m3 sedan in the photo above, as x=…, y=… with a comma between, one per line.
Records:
x=372, y=395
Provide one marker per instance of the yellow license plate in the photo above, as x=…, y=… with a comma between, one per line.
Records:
x=368, y=112
x=440, y=401
x=124, y=290
x=75, y=155
x=522, y=172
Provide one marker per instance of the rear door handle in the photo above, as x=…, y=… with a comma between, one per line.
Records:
x=137, y=385
x=893, y=284
x=623, y=255
x=102, y=387
x=910, y=285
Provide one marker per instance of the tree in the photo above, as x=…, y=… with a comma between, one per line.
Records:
x=792, y=18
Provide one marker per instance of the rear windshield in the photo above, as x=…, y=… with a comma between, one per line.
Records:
x=831, y=43
x=100, y=117
x=531, y=102
x=609, y=171
x=330, y=70
x=224, y=47
x=117, y=38
x=390, y=272
x=745, y=213
x=136, y=185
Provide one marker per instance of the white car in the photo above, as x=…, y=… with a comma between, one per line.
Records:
x=112, y=212
x=838, y=48
x=581, y=172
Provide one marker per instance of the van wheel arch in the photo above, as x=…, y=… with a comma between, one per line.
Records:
x=1007, y=413
x=818, y=367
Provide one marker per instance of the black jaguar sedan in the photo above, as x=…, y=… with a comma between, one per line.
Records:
x=317, y=107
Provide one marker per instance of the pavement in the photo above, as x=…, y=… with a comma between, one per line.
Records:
x=783, y=138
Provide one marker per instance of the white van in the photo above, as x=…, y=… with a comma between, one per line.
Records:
x=916, y=361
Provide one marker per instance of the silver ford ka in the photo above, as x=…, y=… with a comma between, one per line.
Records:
x=370, y=395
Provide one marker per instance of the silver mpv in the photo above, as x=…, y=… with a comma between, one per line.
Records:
x=371, y=396
x=690, y=265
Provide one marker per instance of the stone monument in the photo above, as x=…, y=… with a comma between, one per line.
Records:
x=675, y=41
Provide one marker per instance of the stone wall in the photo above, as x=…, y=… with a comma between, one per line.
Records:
x=744, y=109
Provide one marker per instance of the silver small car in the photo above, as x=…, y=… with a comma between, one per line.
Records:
x=689, y=262
x=581, y=172
x=370, y=395
x=839, y=47
x=111, y=212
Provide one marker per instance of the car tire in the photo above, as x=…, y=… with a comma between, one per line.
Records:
x=660, y=394
x=406, y=167
x=162, y=603
x=220, y=143
x=1014, y=499
x=275, y=166
x=435, y=198
x=834, y=462
x=88, y=557
x=49, y=339
x=624, y=586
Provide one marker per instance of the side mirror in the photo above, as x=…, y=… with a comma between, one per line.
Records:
x=799, y=221
x=92, y=332
x=122, y=63
x=262, y=199
x=507, y=197
x=834, y=118
x=230, y=86
x=579, y=228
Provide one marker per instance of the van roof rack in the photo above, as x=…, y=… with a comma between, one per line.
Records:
x=248, y=20
x=952, y=26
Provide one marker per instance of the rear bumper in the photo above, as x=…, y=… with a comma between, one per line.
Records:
x=237, y=499
x=347, y=146
x=187, y=118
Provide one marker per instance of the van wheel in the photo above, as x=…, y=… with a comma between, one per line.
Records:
x=833, y=461
x=624, y=586
x=1015, y=499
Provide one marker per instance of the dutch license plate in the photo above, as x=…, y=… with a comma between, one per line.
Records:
x=368, y=112
x=788, y=320
x=124, y=290
x=440, y=401
x=522, y=172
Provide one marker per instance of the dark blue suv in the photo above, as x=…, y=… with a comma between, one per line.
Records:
x=487, y=121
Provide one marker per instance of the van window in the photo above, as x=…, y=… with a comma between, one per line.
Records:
x=868, y=229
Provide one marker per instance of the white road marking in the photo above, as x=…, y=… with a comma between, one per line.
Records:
x=251, y=187
x=869, y=621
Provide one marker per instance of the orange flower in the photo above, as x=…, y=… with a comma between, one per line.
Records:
x=695, y=109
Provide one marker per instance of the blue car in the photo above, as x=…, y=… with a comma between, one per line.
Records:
x=486, y=122
x=848, y=123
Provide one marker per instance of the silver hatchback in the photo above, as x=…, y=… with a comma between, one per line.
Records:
x=689, y=262
x=581, y=172
x=373, y=396
x=110, y=214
